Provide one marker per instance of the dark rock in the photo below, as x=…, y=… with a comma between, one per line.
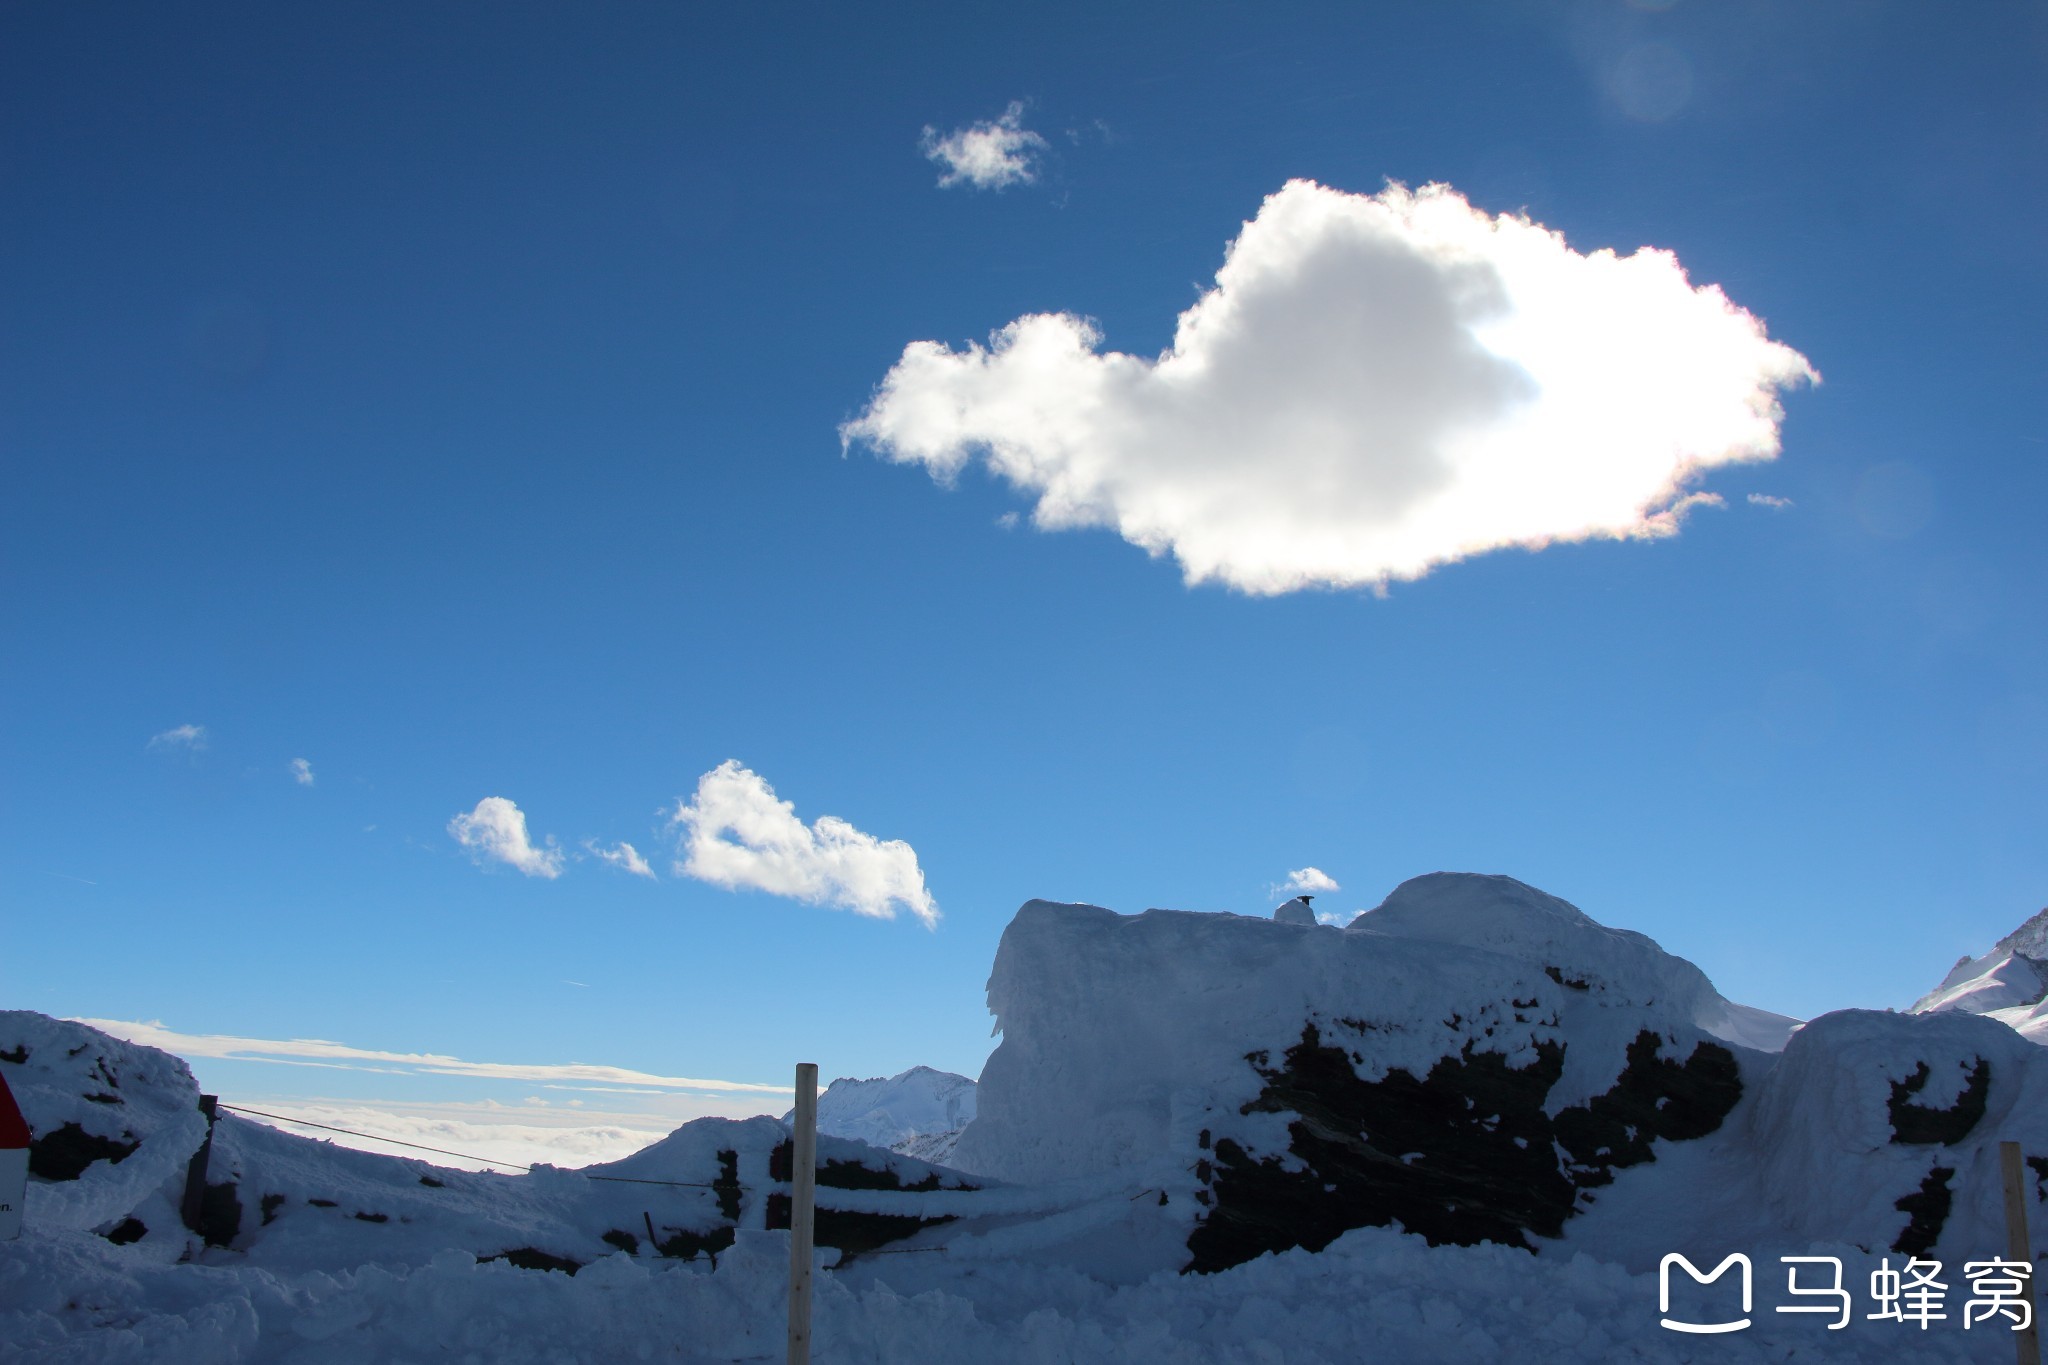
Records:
x=853, y=1233
x=1471, y=1179
x=129, y=1229
x=1926, y=1210
x=727, y=1187
x=271, y=1203
x=624, y=1241
x=1654, y=1097
x=18, y=1055
x=220, y=1215
x=1465, y=1154
x=322, y=1203
x=1913, y=1123
x=65, y=1153
x=431, y=1183
x=373, y=1217
x=533, y=1258
x=683, y=1244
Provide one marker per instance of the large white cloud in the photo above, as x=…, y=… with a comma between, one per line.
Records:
x=496, y=830
x=735, y=833
x=988, y=155
x=1375, y=386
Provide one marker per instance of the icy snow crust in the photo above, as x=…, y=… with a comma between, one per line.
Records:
x=1125, y=1038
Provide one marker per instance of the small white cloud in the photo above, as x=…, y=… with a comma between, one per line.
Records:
x=1776, y=504
x=736, y=834
x=988, y=155
x=1337, y=919
x=623, y=856
x=496, y=830
x=186, y=738
x=1376, y=385
x=1306, y=881
x=302, y=772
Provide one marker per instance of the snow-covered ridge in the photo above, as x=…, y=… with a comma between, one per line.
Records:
x=2009, y=983
x=918, y=1112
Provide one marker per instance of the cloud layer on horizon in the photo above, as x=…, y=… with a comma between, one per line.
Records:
x=1376, y=385
x=734, y=832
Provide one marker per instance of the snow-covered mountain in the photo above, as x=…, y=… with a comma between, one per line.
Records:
x=918, y=1112
x=2009, y=983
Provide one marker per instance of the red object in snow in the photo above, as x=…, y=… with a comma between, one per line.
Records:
x=13, y=1127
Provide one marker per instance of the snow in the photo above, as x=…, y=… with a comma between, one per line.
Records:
x=919, y=1112
x=1130, y=1053
x=2009, y=983
x=1186, y=996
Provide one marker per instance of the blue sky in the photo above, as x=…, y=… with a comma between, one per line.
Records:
x=451, y=398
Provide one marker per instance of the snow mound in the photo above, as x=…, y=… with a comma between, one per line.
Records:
x=1882, y=1129
x=109, y=1121
x=1501, y=915
x=1470, y=1060
x=919, y=1112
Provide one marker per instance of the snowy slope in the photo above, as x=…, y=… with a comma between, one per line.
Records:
x=2009, y=983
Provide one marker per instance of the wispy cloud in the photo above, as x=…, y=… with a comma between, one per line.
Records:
x=1776, y=504
x=623, y=856
x=302, y=772
x=1306, y=881
x=735, y=833
x=496, y=830
x=988, y=155
x=1376, y=385
x=183, y=738
x=320, y=1052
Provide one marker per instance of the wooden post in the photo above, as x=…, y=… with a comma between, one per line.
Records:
x=2019, y=1247
x=803, y=1194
